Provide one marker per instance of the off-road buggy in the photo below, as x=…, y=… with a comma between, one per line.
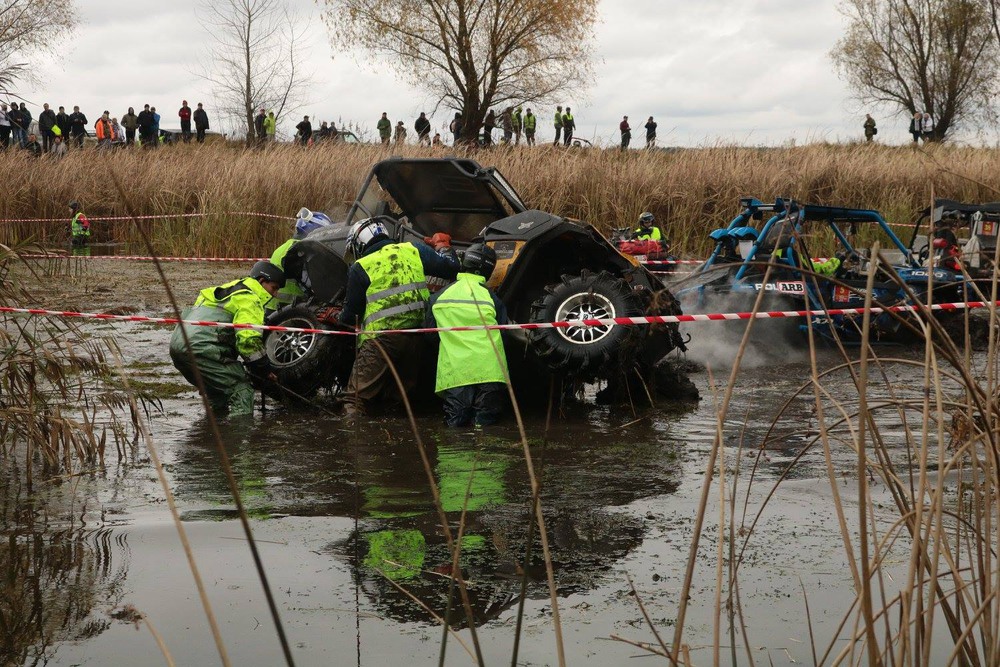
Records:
x=549, y=269
x=734, y=274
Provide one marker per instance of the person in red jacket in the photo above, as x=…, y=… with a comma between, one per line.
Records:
x=185, y=116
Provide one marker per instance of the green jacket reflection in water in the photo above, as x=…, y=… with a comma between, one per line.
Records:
x=217, y=350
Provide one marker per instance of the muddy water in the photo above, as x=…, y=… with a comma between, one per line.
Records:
x=344, y=519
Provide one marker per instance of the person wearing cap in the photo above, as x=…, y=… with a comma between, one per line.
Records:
x=185, y=115
x=258, y=125
x=214, y=353
x=471, y=365
x=306, y=222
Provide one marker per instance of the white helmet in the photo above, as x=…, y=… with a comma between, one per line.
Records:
x=363, y=233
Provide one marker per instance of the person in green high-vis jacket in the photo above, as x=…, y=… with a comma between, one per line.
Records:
x=305, y=223
x=472, y=365
x=79, y=227
x=216, y=351
x=386, y=291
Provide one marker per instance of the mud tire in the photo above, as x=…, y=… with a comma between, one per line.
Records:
x=588, y=352
x=301, y=361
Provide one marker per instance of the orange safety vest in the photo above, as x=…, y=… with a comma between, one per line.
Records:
x=103, y=128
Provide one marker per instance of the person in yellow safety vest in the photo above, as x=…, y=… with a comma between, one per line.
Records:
x=472, y=366
x=530, y=123
x=387, y=290
x=827, y=268
x=647, y=229
x=306, y=222
x=270, y=126
x=79, y=228
x=215, y=351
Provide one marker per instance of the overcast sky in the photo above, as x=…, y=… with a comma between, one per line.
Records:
x=744, y=71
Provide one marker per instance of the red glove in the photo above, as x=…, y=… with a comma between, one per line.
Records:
x=438, y=241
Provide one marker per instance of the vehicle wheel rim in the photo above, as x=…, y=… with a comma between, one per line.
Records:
x=285, y=348
x=585, y=306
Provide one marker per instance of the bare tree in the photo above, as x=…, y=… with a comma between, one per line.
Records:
x=474, y=54
x=254, y=59
x=27, y=27
x=936, y=56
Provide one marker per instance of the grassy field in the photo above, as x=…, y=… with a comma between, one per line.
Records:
x=693, y=191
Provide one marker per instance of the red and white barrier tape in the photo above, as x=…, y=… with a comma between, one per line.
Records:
x=143, y=258
x=606, y=322
x=113, y=218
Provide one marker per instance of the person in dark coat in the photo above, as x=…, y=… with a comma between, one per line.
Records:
x=423, y=128
x=146, y=134
x=46, y=121
x=650, y=133
x=18, y=135
x=200, y=123
x=488, y=125
x=870, y=129
x=62, y=122
x=258, y=126
x=78, y=126
x=456, y=128
x=915, y=124
x=305, y=129
x=626, y=131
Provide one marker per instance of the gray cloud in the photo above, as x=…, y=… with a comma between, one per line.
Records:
x=754, y=71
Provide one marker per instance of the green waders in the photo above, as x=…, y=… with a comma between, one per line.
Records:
x=226, y=383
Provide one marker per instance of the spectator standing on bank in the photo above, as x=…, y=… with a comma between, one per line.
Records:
x=518, y=120
x=530, y=123
x=130, y=122
x=305, y=129
x=102, y=128
x=117, y=133
x=650, y=133
x=626, y=131
x=926, y=127
x=78, y=126
x=915, y=126
x=62, y=122
x=145, y=124
x=488, y=125
x=437, y=140
x=4, y=126
x=870, y=129
x=25, y=122
x=400, y=136
x=322, y=134
x=384, y=128
x=456, y=128
x=46, y=121
x=258, y=126
x=200, y=123
x=423, y=129
x=558, y=123
x=270, y=126
x=507, y=123
x=569, y=125
x=184, y=113
x=18, y=135
x=156, y=124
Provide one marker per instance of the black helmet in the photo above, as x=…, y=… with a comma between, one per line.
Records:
x=647, y=219
x=74, y=205
x=479, y=258
x=264, y=270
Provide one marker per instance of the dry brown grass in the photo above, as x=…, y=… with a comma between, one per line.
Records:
x=693, y=190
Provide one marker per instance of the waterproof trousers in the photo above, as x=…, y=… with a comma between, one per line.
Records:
x=474, y=404
x=371, y=377
x=226, y=383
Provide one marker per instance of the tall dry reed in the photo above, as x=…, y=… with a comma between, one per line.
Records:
x=691, y=191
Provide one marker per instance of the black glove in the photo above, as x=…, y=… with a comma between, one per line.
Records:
x=259, y=369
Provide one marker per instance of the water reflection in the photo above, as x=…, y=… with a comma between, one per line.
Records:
x=59, y=577
x=308, y=466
